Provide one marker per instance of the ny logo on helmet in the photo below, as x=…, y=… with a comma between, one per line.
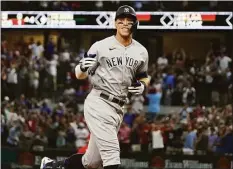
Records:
x=126, y=10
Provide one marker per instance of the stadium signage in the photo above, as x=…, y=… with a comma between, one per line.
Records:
x=133, y=164
x=17, y=158
x=187, y=164
x=105, y=20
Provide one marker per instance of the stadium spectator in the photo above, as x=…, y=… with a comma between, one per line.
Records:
x=52, y=73
x=12, y=81
x=202, y=140
x=189, y=95
x=26, y=138
x=154, y=98
x=135, y=138
x=179, y=57
x=32, y=122
x=50, y=48
x=60, y=109
x=145, y=136
x=184, y=113
x=39, y=50
x=224, y=61
x=70, y=91
x=162, y=62
x=168, y=96
x=189, y=144
x=129, y=116
x=157, y=140
x=14, y=133
x=169, y=80
x=45, y=108
x=64, y=56
x=33, y=81
x=157, y=84
x=40, y=141
x=61, y=139
x=212, y=139
x=225, y=143
x=137, y=103
x=33, y=49
x=81, y=133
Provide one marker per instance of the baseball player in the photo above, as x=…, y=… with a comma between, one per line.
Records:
x=115, y=66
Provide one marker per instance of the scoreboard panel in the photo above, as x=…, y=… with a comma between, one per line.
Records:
x=105, y=20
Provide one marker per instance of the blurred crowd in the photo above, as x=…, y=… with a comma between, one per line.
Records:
x=38, y=124
x=111, y=5
x=184, y=79
x=47, y=71
x=35, y=70
x=191, y=130
x=40, y=101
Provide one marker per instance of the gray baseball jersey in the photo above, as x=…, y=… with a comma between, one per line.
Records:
x=118, y=65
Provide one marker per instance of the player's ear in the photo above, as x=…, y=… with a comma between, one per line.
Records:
x=115, y=24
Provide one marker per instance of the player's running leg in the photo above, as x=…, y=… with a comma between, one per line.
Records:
x=103, y=122
x=91, y=159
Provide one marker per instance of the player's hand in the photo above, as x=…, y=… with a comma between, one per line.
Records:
x=86, y=63
x=136, y=88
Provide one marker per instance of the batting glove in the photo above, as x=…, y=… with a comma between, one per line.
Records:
x=136, y=88
x=86, y=63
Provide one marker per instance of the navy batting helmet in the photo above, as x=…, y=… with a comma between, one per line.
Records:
x=127, y=11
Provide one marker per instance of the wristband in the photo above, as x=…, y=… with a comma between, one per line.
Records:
x=83, y=69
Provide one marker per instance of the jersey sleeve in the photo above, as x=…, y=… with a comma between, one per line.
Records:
x=142, y=70
x=93, y=49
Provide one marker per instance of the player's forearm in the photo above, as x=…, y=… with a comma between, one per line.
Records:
x=79, y=73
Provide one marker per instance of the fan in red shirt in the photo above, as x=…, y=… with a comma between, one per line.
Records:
x=144, y=134
x=32, y=123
